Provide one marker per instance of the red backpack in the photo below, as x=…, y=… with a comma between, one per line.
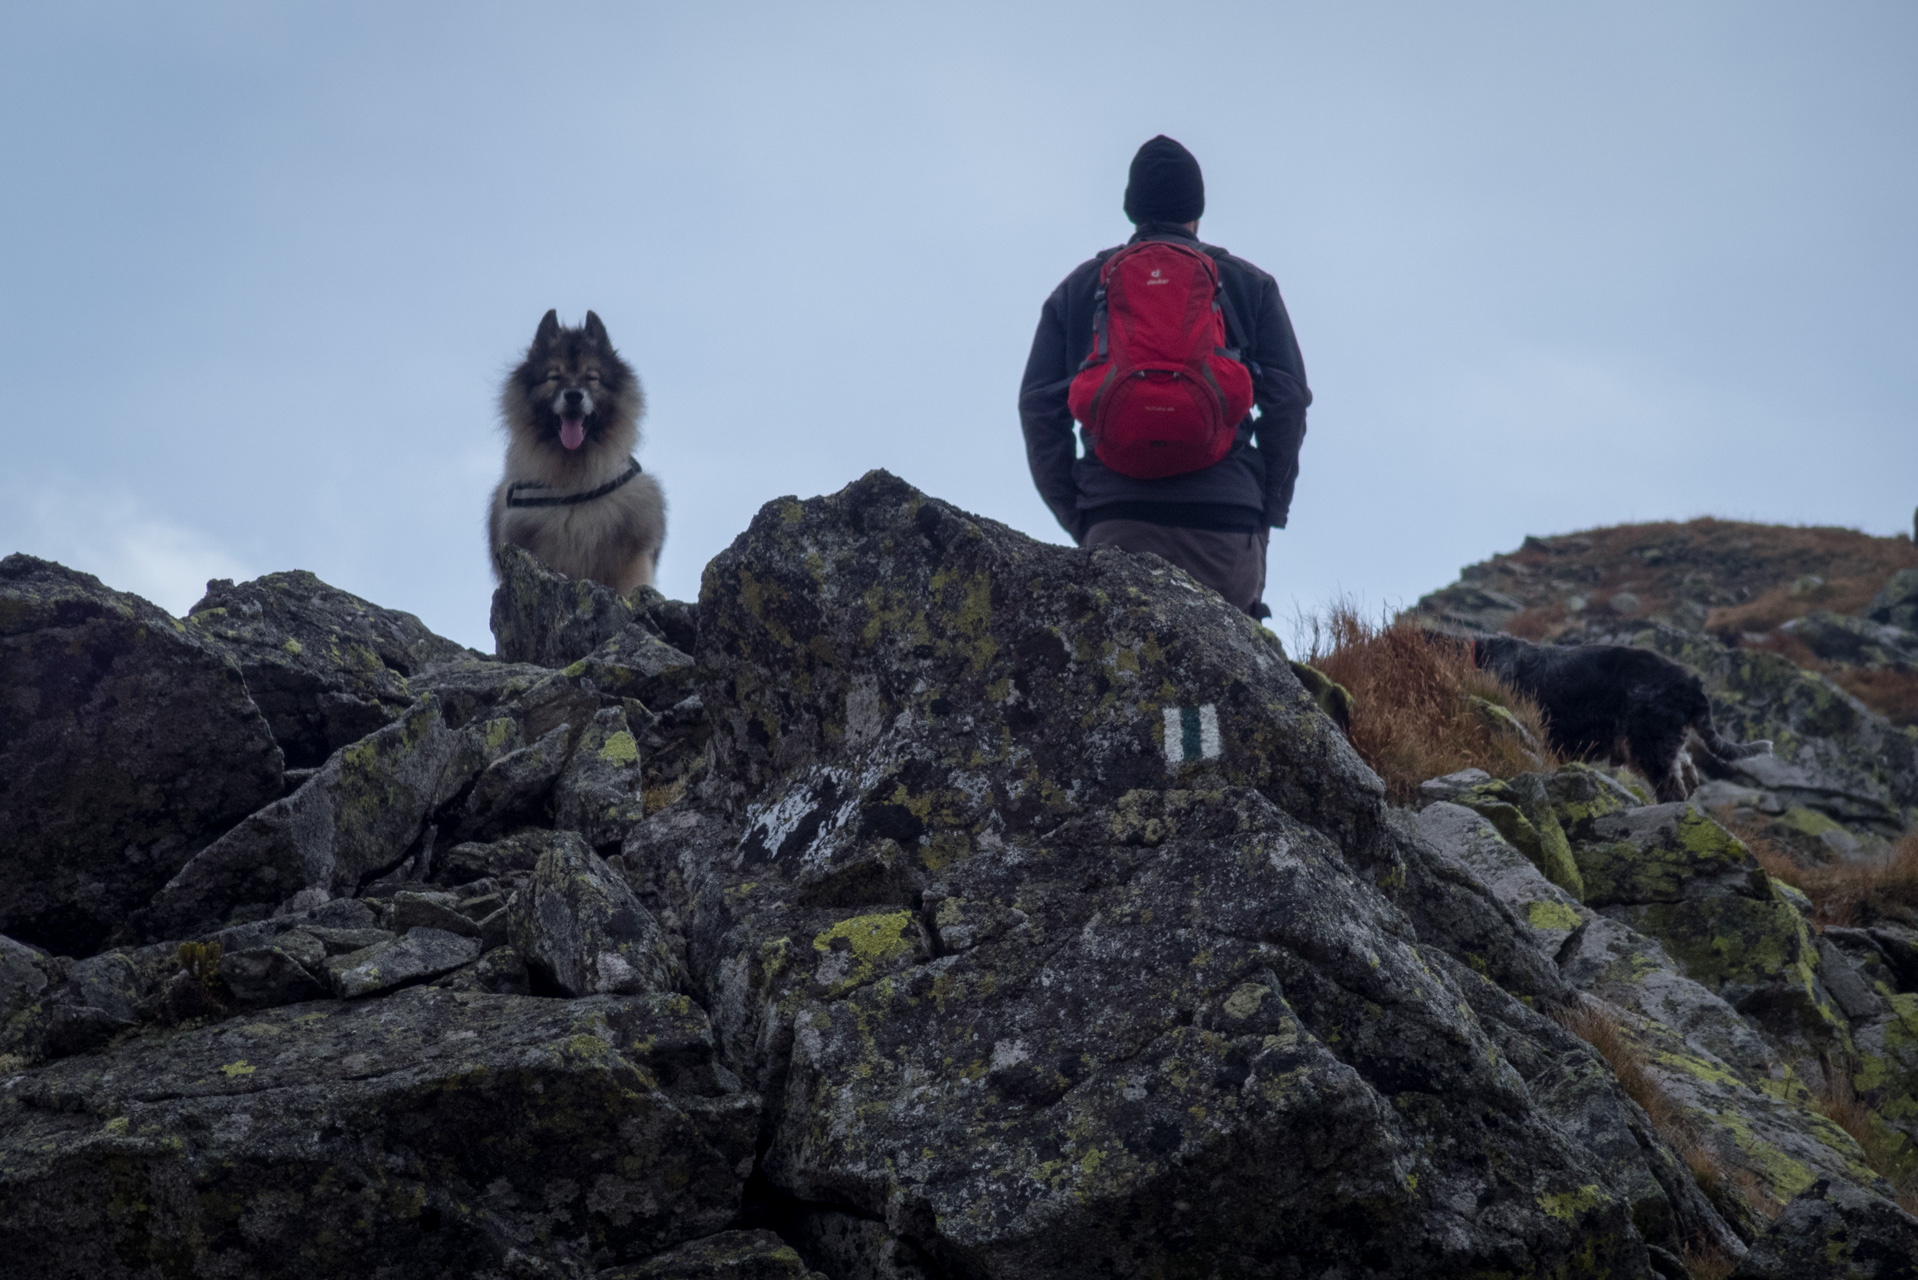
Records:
x=1160, y=393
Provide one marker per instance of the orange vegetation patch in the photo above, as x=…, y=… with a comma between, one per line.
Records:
x=1420, y=708
x=1757, y=575
x=1890, y=691
x=1654, y=561
x=1854, y=891
x=1782, y=604
x=1882, y=1147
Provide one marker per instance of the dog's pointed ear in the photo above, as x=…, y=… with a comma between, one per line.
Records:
x=548, y=327
x=594, y=329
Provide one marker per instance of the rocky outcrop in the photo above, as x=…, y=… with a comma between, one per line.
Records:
x=1056, y=922
x=1728, y=1002
x=325, y=667
x=930, y=903
x=126, y=745
x=543, y=617
x=433, y=1133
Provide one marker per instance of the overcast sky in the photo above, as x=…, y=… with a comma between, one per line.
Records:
x=262, y=267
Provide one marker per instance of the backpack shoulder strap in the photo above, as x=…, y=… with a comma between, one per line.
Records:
x=1235, y=335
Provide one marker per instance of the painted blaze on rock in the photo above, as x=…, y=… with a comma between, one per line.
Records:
x=1050, y=994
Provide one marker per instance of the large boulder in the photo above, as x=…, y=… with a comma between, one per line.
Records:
x=127, y=744
x=1670, y=872
x=324, y=666
x=1835, y=637
x=1740, y=1094
x=428, y=1134
x=1058, y=921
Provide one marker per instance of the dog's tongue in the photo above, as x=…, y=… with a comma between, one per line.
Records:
x=572, y=432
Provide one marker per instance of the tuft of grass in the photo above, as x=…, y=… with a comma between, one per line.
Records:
x=1708, y=1263
x=1600, y=1030
x=1849, y=892
x=1420, y=708
x=201, y=959
x=1856, y=1116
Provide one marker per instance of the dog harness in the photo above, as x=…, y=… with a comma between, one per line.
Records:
x=571, y=499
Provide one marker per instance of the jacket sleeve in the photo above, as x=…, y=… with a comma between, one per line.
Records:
x=1050, y=445
x=1281, y=393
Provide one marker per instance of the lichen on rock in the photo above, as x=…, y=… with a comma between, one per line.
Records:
x=928, y=902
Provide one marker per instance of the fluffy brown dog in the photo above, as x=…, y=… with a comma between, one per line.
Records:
x=573, y=494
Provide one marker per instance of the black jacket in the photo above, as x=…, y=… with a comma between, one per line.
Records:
x=1250, y=488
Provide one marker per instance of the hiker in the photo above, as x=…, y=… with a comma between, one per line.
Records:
x=1160, y=348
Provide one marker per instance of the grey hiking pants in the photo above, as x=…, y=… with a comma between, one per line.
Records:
x=1232, y=563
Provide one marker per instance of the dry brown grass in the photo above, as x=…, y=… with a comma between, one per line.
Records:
x=1601, y=1031
x=1627, y=1061
x=1540, y=622
x=1708, y=1264
x=1844, y=1108
x=1853, y=892
x=1664, y=564
x=1890, y=691
x=1782, y=604
x=1414, y=716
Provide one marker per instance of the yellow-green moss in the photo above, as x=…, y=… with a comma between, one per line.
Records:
x=1547, y=914
x=620, y=748
x=875, y=942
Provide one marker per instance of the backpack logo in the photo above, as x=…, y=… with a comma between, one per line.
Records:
x=1158, y=277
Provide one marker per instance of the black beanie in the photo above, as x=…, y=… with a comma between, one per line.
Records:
x=1165, y=184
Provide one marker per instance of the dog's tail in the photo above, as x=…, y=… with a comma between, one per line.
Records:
x=1708, y=734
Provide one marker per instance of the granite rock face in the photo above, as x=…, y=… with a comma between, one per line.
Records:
x=927, y=904
x=547, y=618
x=1056, y=922
x=579, y=927
x=325, y=667
x=428, y=1134
x=358, y=815
x=126, y=746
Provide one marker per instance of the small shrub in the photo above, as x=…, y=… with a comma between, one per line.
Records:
x=1414, y=716
x=201, y=960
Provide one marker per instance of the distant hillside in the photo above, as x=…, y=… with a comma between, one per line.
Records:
x=1809, y=593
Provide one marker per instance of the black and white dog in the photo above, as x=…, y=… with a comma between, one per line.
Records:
x=1620, y=704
